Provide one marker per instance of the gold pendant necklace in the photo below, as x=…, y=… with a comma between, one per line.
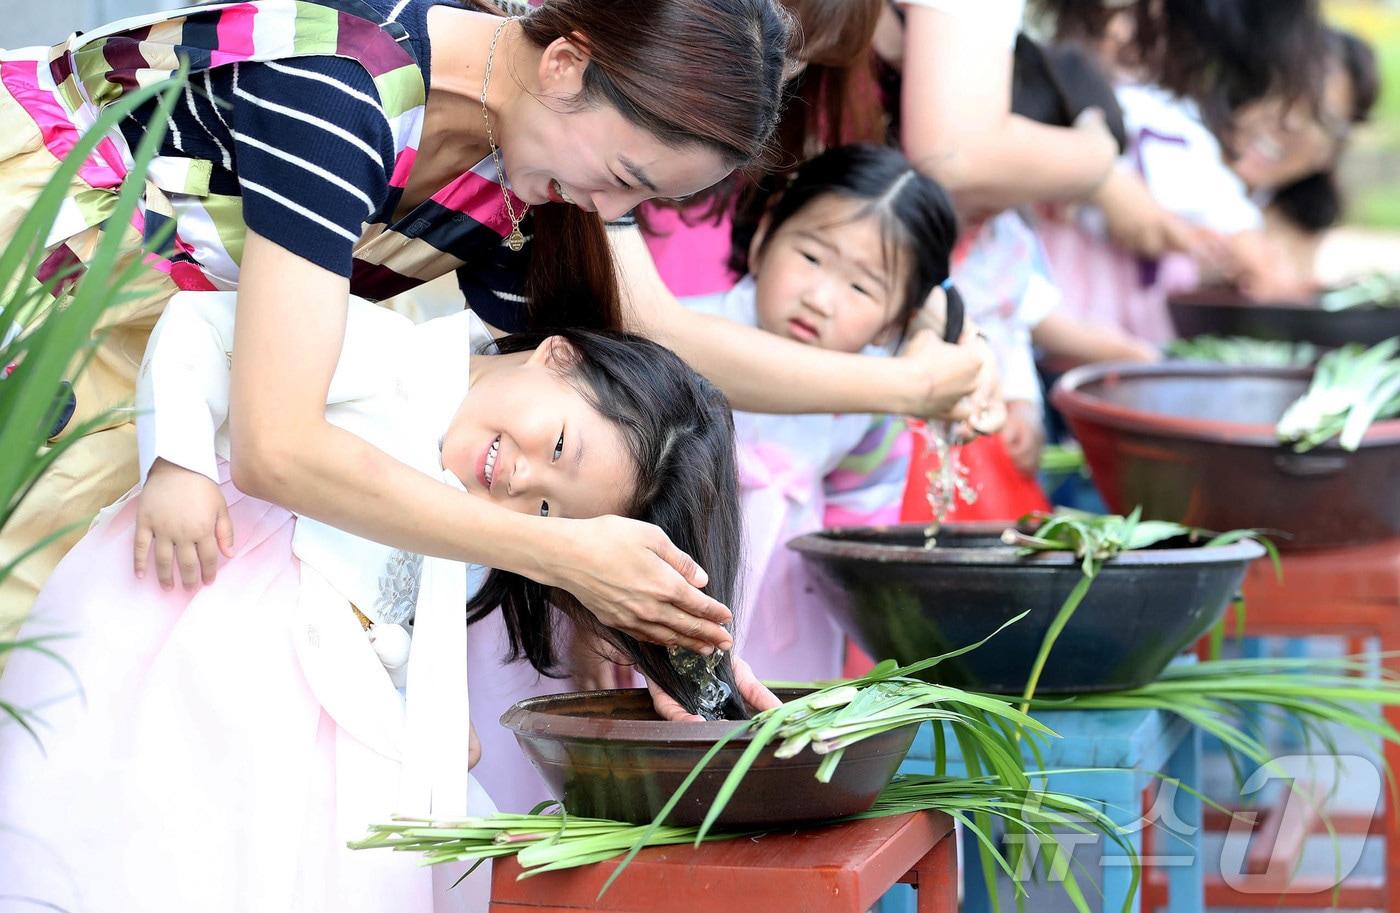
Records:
x=516, y=240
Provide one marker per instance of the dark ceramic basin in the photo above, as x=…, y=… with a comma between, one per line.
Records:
x=904, y=602
x=1196, y=444
x=1224, y=312
x=605, y=754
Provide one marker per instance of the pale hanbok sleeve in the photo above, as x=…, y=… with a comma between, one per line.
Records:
x=183, y=389
x=867, y=486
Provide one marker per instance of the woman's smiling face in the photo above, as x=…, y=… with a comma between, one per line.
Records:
x=592, y=156
x=526, y=438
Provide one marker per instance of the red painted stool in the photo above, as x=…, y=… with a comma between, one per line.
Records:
x=841, y=868
x=1340, y=592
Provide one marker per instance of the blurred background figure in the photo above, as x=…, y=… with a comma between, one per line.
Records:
x=33, y=23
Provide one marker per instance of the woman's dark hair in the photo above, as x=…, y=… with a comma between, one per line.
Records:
x=680, y=433
x=1054, y=84
x=916, y=217
x=1222, y=53
x=695, y=73
x=1315, y=203
x=1359, y=60
x=832, y=101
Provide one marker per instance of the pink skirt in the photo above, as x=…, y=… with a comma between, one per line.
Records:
x=193, y=769
x=1104, y=284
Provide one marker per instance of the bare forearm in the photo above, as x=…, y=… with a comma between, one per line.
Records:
x=337, y=477
x=1011, y=163
x=958, y=126
x=1068, y=341
x=758, y=371
x=761, y=372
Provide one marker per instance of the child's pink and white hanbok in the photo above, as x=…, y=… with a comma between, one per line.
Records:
x=228, y=741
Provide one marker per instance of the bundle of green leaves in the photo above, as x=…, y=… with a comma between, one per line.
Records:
x=1243, y=350
x=1094, y=539
x=1375, y=290
x=999, y=789
x=1352, y=387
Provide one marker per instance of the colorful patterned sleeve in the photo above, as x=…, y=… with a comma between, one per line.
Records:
x=867, y=486
x=314, y=152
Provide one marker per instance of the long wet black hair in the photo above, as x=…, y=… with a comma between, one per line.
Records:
x=680, y=432
x=916, y=218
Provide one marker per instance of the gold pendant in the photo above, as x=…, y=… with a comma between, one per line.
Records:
x=516, y=241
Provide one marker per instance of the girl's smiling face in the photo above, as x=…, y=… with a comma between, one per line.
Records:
x=827, y=277
x=526, y=438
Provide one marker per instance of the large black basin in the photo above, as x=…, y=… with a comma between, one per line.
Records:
x=904, y=602
x=1196, y=444
x=1225, y=312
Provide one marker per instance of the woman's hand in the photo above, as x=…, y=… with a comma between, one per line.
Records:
x=943, y=377
x=1138, y=223
x=633, y=578
x=754, y=693
x=182, y=516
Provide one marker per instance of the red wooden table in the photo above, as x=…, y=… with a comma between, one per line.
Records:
x=1342, y=592
x=842, y=868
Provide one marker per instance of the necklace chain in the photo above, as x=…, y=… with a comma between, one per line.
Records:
x=516, y=240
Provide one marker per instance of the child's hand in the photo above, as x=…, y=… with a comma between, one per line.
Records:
x=1023, y=436
x=182, y=516
x=754, y=693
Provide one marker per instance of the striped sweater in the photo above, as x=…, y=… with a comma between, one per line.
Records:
x=304, y=145
x=304, y=142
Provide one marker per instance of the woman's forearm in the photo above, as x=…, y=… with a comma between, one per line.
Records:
x=287, y=341
x=957, y=123
x=758, y=371
x=762, y=372
x=332, y=475
x=1013, y=162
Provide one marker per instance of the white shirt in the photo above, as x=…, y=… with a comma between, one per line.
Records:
x=1182, y=162
x=396, y=385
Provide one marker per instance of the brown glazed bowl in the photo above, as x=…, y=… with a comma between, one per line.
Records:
x=1195, y=444
x=1225, y=312
x=605, y=754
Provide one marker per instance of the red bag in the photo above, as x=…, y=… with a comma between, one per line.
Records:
x=1003, y=491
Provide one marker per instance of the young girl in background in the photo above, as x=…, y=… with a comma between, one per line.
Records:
x=843, y=260
x=260, y=702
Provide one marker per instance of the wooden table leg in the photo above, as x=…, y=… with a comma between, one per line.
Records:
x=935, y=878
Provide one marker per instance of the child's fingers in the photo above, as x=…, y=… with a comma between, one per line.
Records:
x=207, y=552
x=141, y=548
x=165, y=562
x=188, y=559
x=223, y=531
